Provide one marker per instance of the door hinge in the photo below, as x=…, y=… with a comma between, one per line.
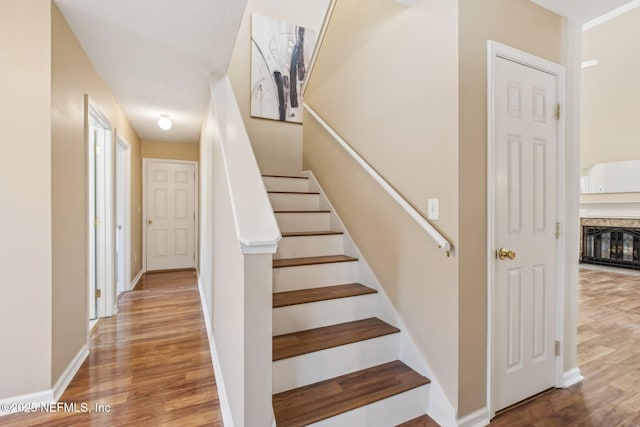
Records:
x=557, y=230
x=557, y=348
x=557, y=113
x=98, y=293
x=97, y=222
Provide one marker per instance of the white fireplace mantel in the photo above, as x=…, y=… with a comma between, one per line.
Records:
x=610, y=210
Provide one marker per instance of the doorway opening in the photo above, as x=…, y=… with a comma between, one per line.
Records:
x=100, y=224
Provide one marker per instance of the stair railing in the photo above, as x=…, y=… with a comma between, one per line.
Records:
x=442, y=242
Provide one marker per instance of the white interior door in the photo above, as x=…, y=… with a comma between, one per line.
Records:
x=170, y=210
x=525, y=215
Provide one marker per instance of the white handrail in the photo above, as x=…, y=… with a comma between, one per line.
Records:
x=431, y=231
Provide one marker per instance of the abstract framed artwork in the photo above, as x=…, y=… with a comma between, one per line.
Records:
x=280, y=55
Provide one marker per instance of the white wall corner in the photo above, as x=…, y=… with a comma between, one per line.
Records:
x=571, y=377
x=71, y=371
x=225, y=408
x=479, y=418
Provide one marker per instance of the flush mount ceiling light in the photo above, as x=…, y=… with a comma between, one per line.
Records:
x=164, y=123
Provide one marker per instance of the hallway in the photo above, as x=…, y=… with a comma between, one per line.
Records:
x=150, y=365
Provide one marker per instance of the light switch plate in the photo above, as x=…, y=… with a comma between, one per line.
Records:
x=433, y=208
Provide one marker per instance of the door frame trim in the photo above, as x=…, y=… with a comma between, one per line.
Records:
x=196, y=231
x=126, y=205
x=497, y=50
x=107, y=307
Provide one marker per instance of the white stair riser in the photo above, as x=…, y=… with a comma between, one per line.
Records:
x=313, y=276
x=294, y=202
x=387, y=412
x=315, y=221
x=321, y=365
x=300, y=317
x=285, y=184
x=307, y=246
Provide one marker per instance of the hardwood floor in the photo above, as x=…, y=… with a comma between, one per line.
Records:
x=150, y=363
x=608, y=357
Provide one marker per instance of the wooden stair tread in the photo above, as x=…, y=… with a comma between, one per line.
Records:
x=423, y=421
x=293, y=192
x=312, y=260
x=285, y=176
x=325, y=399
x=310, y=340
x=309, y=233
x=309, y=211
x=304, y=296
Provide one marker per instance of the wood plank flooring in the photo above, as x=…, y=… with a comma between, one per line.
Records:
x=608, y=357
x=150, y=363
x=423, y=421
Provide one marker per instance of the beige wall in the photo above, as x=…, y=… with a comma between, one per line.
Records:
x=277, y=145
x=610, y=91
x=526, y=26
x=25, y=186
x=170, y=150
x=73, y=76
x=386, y=81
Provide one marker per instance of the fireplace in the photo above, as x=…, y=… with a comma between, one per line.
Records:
x=612, y=246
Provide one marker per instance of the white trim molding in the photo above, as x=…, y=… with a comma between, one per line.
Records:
x=611, y=15
x=478, y=418
x=225, y=408
x=71, y=371
x=12, y=405
x=571, y=377
x=135, y=280
x=442, y=242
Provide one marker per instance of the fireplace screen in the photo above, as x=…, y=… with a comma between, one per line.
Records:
x=614, y=246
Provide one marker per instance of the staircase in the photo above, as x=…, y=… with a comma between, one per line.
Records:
x=335, y=362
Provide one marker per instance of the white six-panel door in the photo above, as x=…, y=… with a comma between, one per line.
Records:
x=170, y=215
x=524, y=288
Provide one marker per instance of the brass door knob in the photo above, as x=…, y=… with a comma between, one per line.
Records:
x=149, y=222
x=504, y=254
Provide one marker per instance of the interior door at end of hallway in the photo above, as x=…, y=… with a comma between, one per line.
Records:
x=170, y=221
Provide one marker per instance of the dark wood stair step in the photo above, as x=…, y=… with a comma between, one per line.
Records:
x=423, y=421
x=315, y=402
x=293, y=192
x=304, y=296
x=309, y=233
x=310, y=340
x=296, y=262
x=285, y=176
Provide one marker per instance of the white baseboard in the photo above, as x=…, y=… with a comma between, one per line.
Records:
x=37, y=398
x=135, y=280
x=479, y=418
x=71, y=371
x=225, y=408
x=51, y=395
x=571, y=377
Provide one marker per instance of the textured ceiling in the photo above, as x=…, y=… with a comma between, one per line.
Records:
x=156, y=55
x=581, y=11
